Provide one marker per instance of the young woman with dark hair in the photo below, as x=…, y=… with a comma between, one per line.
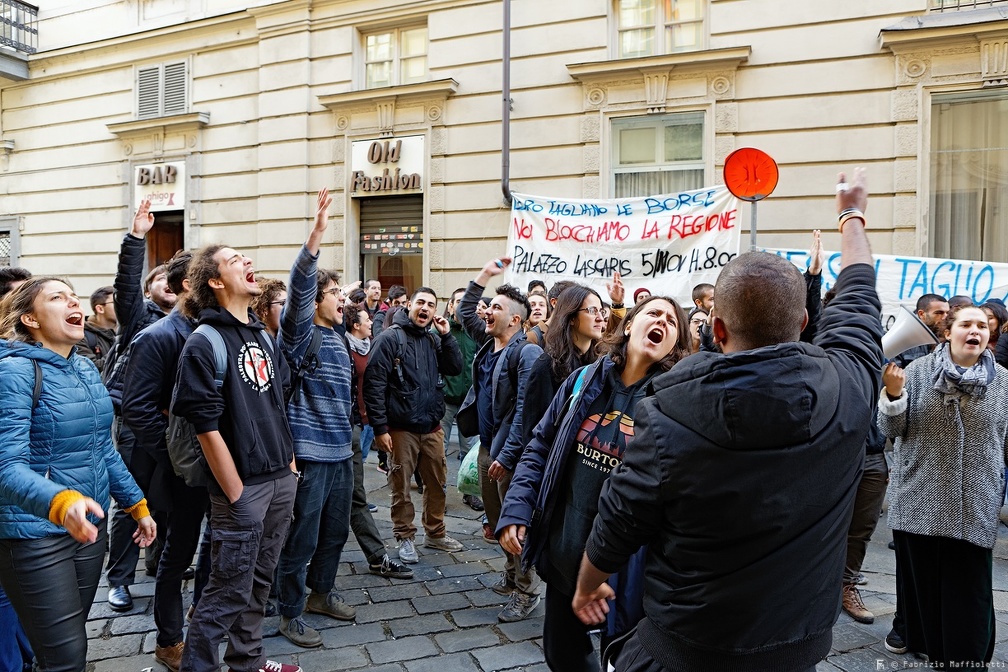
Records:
x=576, y=327
x=549, y=509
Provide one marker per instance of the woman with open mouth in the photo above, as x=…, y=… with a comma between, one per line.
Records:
x=948, y=417
x=57, y=469
x=548, y=511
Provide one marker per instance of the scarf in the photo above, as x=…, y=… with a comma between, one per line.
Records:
x=948, y=378
x=359, y=345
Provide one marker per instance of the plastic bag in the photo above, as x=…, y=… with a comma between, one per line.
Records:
x=468, y=474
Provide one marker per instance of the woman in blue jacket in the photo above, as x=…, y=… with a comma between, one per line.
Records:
x=551, y=504
x=57, y=467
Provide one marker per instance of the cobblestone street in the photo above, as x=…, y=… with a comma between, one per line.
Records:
x=445, y=618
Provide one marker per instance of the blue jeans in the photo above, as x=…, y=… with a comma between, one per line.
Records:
x=318, y=533
x=15, y=651
x=366, y=439
x=465, y=443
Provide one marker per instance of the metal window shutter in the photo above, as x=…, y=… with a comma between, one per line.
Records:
x=392, y=224
x=149, y=92
x=174, y=88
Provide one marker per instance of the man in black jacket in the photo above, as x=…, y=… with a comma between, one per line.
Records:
x=136, y=309
x=404, y=396
x=100, y=328
x=242, y=428
x=742, y=475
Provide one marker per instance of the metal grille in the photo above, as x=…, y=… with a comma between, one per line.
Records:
x=963, y=5
x=6, y=246
x=19, y=26
x=392, y=225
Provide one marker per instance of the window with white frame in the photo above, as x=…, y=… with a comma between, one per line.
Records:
x=657, y=155
x=654, y=27
x=394, y=57
x=162, y=90
x=9, y=252
x=968, y=214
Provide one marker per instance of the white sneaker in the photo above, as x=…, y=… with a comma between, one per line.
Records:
x=407, y=552
x=444, y=543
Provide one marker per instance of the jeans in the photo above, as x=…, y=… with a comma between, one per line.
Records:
x=318, y=533
x=366, y=439
x=52, y=583
x=424, y=453
x=15, y=651
x=361, y=521
x=247, y=538
x=182, y=537
x=871, y=492
x=465, y=444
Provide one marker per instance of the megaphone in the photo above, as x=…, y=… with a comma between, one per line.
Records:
x=908, y=331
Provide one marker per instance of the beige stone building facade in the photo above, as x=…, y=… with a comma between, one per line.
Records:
x=232, y=115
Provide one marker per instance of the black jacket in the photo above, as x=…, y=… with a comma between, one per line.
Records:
x=509, y=386
x=134, y=312
x=415, y=404
x=742, y=482
x=249, y=410
x=104, y=340
x=150, y=377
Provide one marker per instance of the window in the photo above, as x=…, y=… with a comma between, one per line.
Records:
x=654, y=27
x=395, y=57
x=956, y=5
x=162, y=90
x=657, y=155
x=969, y=177
x=9, y=252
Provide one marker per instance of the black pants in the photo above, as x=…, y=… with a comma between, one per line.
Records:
x=947, y=600
x=566, y=642
x=635, y=658
x=361, y=521
x=52, y=582
x=189, y=506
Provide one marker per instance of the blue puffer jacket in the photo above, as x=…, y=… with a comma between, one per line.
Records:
x=65, y=443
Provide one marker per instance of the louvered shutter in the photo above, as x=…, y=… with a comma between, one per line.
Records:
x=149, y=92
x=174, y=88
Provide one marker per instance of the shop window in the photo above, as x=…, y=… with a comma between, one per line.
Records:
x=162, y=90
x=657, y=155
x=395, y=57
x=655, y=27
x=968, y=214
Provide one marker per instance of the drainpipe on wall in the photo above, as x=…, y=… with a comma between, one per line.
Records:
x=506, y=110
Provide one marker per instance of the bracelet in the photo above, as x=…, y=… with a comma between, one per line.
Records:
x=857, y=214
x=846, y=211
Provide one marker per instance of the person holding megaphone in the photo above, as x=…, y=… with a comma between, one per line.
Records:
x=947, y=414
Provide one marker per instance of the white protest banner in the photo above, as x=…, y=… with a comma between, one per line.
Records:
x=665, y=243
x=901, y=280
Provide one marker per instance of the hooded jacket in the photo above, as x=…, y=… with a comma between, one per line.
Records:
x=104, y=341
x=416, y=403
x=64, y=443
x=249, y=410
x=742, y=480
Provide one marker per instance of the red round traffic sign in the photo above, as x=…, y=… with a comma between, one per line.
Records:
x=750, y=174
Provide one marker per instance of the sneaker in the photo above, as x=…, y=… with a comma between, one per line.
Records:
x=407, y=552
x=895, y=643
x=330, y=604
x=444, y=543
x=391, y=569
x=474, y=503
x=488, y=533
x=860, y=580
x=273, y=666
x=300, y=633
x=854, y=606
x=504, y=586
x=518, y=607
x=373, y=508
x=170, y=656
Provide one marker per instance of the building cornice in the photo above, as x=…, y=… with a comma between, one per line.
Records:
x=173, y=124
x=707, y=59
x=930, y=29
x=438, y=88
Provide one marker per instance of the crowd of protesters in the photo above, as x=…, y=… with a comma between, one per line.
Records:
x=231, y=417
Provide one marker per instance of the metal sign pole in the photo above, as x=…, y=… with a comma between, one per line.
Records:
x=752, y=227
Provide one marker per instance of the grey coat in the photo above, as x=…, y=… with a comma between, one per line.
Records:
x=949, y=463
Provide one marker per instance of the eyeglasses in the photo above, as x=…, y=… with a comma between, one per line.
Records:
x=335, y=291
x=278, y=303
x=593, y=311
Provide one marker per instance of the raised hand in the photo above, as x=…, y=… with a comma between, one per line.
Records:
x=817, y=256
x=322, y=211
x=615, y=289
x=143, y=220
x=853, y=194
x=492, y=268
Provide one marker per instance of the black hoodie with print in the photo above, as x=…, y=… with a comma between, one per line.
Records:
x=249, y=410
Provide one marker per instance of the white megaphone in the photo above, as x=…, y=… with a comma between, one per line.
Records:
x=908, y=331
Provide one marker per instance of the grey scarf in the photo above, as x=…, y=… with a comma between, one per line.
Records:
x=949, y=379
x=359, y=345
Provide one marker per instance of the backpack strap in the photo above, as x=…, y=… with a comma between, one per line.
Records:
x=219, y=351
x=400, y=353
x=309, y=363
x=37, y=388
x=92, y=340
